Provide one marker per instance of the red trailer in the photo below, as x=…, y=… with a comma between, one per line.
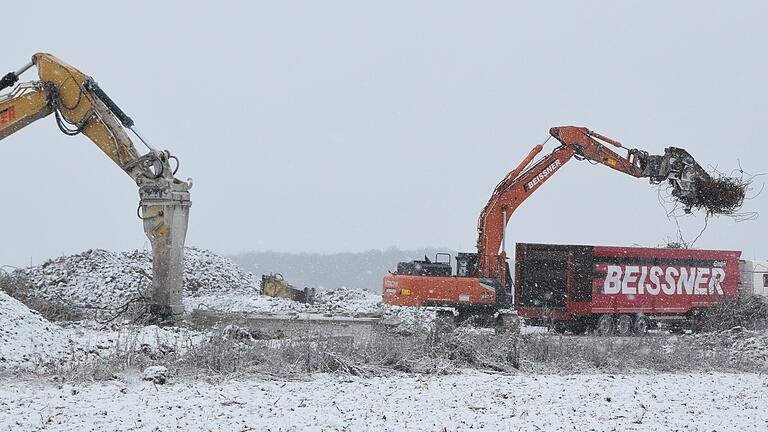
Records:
x=621, y=289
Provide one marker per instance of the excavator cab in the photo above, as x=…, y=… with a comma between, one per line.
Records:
x=466, y=264
x=426, y=267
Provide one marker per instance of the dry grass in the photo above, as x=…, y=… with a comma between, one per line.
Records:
x=657, y=353
x=17, y=286
x=748, y=312
x=226, y=354
x=222, y=356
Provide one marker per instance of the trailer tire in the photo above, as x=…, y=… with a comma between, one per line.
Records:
x=641, y=326
x=560, y=327
x=624, y=325
x=604, y=325
x=579, y=327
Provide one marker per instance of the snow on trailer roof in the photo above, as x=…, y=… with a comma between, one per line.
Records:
x=643, y=251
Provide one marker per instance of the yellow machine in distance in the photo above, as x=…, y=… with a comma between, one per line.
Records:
x=274, y=285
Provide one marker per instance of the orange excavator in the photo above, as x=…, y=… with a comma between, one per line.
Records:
x=481, y=288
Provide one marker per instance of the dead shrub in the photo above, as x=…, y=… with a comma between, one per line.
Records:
x=17, y=286
x=747, y=312
x=577, y=354
x=225, y=354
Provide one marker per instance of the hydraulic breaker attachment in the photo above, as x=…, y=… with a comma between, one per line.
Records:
x=165, y=204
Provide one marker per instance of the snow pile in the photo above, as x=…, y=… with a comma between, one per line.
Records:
x=99, y=278
x=94, y=277
x=206, y=273
x=408, y=319
x=337, y=301
x=108, y=279
x=94, y=339
x=27, y=340
x=340, y=301
x=347, y=300
x=245, y=301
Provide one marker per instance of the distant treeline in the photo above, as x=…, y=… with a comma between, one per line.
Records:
x=363, y=270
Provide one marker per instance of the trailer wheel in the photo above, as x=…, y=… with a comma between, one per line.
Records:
x=624, y=325
x=580, y=327
x=604, y=325
x=641, y=325
x=560, y=327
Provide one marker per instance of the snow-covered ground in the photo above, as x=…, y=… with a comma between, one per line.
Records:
x=339, y=301
x=104, y=279
x=26, y=339
x=32, y=396
x=29, y=342
x=467, y=401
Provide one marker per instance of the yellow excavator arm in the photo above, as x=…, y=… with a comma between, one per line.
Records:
x=81, y=106
x=20, y=108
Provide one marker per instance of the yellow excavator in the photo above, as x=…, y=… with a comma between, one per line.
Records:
x=79, y=105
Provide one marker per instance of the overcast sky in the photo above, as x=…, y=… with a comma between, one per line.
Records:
x=345, y=126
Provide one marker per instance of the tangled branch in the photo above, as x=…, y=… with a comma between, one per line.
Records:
x=718, y=195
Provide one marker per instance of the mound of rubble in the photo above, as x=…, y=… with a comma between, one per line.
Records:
x=27, y=340
x=347, y=300
x=100, y=278
x=342, y=301
x=245, y=301
x=103, y=281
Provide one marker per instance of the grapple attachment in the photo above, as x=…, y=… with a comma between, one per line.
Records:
x=692, y=185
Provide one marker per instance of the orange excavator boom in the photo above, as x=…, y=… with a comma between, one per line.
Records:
x=482, y=282
x=676, y=165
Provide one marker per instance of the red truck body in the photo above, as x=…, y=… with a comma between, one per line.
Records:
x=569, y=283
